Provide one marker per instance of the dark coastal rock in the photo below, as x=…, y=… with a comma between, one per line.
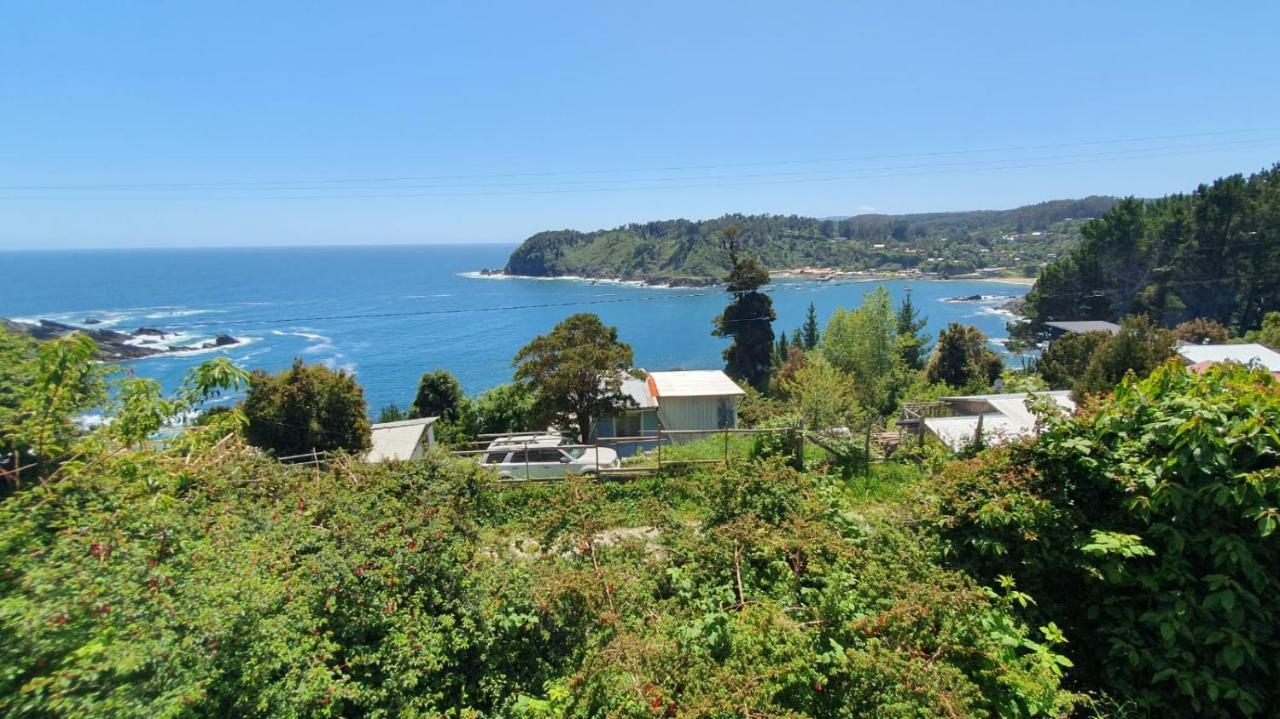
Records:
x=90, y=321
x=112, y=345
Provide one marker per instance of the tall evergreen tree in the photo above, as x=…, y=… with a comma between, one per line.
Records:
x=912, y=343
x=748, y=319
x=811, y=334
x=782, y=351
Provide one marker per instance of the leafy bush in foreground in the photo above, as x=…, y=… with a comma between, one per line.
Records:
x=1145, y=526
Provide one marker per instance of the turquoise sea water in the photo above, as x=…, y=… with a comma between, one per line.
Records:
x=389, y=313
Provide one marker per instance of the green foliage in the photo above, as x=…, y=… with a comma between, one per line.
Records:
x=575, y=372
x=392, y=413
x=810, y=333
x=43, y=388
x=1210, y=254
x=821, y=395
x=681, y=251
x=201, y=578
x=864, y=344
x=1201, y=331
x=962, y=359
x=913, y=343
x=1269, y=333
x=305, y=408
x=1022, y=382
x=785, y=605
x=1145, y=527
x=440, y=395
x=1139, y=347
x=1064, y=361
x=748, y=320
x=506, y=408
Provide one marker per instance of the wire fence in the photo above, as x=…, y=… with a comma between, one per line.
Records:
x=541, y=457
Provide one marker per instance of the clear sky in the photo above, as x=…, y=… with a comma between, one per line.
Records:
x=148, y=123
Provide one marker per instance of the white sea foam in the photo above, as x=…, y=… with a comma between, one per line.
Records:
x=313, y=336
x=166, y=313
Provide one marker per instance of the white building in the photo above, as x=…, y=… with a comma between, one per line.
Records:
x=1245, y=354
x=695, y=399
x=1001, y=418
x=407, y=439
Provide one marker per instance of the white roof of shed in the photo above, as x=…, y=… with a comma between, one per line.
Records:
x=957, y=432
x=1008, y=419
x=397, y=440
x=1244, y=354
x=693, y=383
x=1086, y=326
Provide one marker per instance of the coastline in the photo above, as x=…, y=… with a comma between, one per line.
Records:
x=816, y=274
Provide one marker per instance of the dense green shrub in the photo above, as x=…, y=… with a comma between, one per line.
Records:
x=1145, y=526
x=306, y=408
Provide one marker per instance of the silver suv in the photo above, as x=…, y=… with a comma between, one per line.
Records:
x=545, y=456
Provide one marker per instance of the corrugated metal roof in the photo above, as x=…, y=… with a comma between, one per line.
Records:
x=958, y=432
x=397, y=440
x=1086, y=326
x=638, y=390
x=1245, y=354
x=692, y=383
x=1008, y=419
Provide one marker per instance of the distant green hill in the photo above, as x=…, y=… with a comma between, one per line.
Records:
x=946, y=243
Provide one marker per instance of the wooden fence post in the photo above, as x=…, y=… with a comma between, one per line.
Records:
x=726, y=447
x=659, y=451
x=866, y=450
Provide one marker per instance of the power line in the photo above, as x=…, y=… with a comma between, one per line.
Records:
x=283, y=184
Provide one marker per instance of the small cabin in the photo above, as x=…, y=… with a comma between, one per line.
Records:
x=695, y=399
x=403, y=440
x=687, y=400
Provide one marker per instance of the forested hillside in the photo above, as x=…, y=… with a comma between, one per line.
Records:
x=1213, y=253
x=945, y=242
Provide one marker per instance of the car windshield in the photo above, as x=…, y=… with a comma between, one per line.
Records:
x=575, y=452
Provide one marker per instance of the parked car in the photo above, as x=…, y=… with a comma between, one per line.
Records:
x=545, y=456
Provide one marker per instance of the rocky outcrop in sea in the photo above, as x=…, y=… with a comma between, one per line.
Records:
x=113, y=345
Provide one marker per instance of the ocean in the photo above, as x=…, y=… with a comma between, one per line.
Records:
x=390, y=313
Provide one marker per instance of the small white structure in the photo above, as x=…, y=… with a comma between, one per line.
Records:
x=1245, y=354
x=695, y=399
x=1071, y=328
x=1001, y=417
x=407, y=439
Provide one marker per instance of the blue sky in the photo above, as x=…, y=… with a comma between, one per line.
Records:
x=131, y=124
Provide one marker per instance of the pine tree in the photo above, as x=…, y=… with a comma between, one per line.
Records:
x=911, y=341
x=748, y=319
x=811, y=333
x=782, y=351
